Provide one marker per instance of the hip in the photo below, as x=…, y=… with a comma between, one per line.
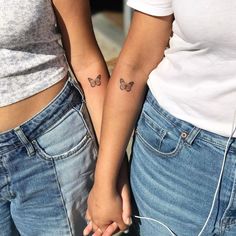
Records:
x=188, y=175
x=15, y=114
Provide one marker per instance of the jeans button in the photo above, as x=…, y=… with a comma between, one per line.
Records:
x=184, y=135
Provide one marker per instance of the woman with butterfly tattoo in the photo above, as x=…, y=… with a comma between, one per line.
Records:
x=184, y=146
x=49, y=121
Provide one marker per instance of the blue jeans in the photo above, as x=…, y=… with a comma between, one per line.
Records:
x=175, y=170
x=46, y=169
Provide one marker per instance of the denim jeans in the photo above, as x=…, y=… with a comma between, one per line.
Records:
x=46, y=169
x=175, y=171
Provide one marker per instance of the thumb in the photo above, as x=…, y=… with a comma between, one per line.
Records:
x=126, y=205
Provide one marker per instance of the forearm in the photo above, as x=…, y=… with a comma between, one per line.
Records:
x=120, y=114
x=83, y=54
x=94, y=92
x=126, y=91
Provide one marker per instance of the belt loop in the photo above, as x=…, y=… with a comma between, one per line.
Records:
x=24, y=140
x=192, y=135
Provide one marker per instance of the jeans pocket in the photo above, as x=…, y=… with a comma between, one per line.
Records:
x=66, y=137
x=158, y=134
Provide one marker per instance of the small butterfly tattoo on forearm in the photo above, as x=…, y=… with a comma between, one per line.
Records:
x=95, y=82
x=126, y=86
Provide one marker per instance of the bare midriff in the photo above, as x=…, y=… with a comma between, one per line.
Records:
x=15, y=114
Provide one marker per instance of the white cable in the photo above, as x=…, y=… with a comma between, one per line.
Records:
x=234, y=124
x=217, y=188
x=221, y=174
x=151, y=219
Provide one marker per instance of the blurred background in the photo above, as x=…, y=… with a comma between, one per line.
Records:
x=106, y=5
x=111, y=22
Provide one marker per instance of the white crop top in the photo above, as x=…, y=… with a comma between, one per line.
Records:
x=31, y=58
x=196, y=81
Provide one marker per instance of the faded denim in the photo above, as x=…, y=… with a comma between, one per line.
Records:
x=175, y=170
x=46, y=169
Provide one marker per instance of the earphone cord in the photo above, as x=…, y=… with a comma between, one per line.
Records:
x=217, y=188
x=221, y=173
x=151, y=219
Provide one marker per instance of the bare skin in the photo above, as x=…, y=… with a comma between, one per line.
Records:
x=85, y=60
x=15, y=114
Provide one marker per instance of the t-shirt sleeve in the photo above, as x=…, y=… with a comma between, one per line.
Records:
x=152, y=7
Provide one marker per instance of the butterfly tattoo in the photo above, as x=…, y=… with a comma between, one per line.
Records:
x=126, y=86
x=95, y=82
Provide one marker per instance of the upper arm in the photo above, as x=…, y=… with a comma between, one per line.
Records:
x=74, y=21
x=147, y=39
x=152, y=7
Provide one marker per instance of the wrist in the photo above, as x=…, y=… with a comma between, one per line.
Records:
x=82, y=67
x=105, y=180
x=104, y=187
x=106, y=173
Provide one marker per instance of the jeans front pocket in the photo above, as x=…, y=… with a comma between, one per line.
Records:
x=66, y=137
x=158, y=134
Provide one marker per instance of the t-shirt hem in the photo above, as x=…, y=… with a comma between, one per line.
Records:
x=206, y=124
x=150, y=10
x=53, y=80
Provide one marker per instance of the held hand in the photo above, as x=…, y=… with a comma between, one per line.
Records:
x=124, y=192
x=105, y=208
x=123, y=202
x=111, y=229
x=90, y=228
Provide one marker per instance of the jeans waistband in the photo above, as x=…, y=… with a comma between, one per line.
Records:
x=70, y=96
x=186, y=127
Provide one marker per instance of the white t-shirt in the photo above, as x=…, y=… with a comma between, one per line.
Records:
x=196, y=81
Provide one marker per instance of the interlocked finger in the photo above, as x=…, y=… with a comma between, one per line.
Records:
x=98, y=232
x=111, y=229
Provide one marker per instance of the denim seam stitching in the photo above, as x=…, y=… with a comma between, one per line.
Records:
x=12, y=148
x=165, y=117
x=232, y=196
x=61, y=119
x=8, y=180
x=25, y=141
x=215, y=144
x=62, y=200
x=147, y=117
x=170, y=154
x=78, y=148
x=82, y=117
x=191, y=137
x=164, y=114
x=43, y=129
x=161, y=133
